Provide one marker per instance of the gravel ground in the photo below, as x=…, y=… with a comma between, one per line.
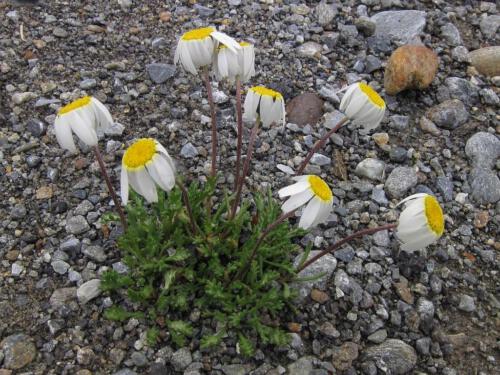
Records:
x=378, y=311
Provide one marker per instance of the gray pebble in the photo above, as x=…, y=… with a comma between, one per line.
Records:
x=400, y=181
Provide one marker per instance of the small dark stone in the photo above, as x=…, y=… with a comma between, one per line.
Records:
x=445, y=187
x=35, y=127
x=60, y=207
x=398, y=154
x=33, y=161
x=80, y=194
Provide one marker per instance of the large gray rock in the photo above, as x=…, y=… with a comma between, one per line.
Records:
x=326, y=265
x=489, y=25
x=400, y=181
x=159, y=73
x=371, y=168
x=400, y=26
x=450, y=114
x=483, y=149
x=392, y=357
x=451, y=34
x=485, y=186
x=88, y=291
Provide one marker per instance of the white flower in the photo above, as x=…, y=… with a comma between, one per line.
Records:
x=196, y=47
x=363, y=106
x=421, y=223
x=266, y=104
x=83, y=117
x=310, y=189
x=146, y=164
x=229, y=64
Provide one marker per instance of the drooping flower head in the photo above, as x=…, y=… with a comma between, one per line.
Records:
x=421, y=223
x=266, y=104
x=312, y=189
x=196, y=47
x=363, y=106
x=146, y=164
x=229, y=64
x=83, y=117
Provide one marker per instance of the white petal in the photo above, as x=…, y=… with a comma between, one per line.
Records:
x=63, y=133
x=346, y=99
x=265, y=110
x=143, y=184
x=297, y=200
x=250, y=106
x=104, y=117
x=186, y=59
x=163, y=151
x=296, y=188
x=310, y=214
x=162, y=174
x=83, y=130
x=229, y=42
x=411, y=197
x=324, y=212
x=124, y=185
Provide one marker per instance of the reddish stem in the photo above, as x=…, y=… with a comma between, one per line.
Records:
x=239, y=118
x=208, y=85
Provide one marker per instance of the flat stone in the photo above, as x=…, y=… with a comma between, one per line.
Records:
x=466, y=303
x=404, y=292
x=60, y=267
x=19, y=351
x=88, y=291
x=378, y=337
x=370, y=168
x=343, y=356
x=393, y=356
x=160, y=73
x=400, y=181
x=88, y=83
x=400, y=26
x=310, y=49
x=483, y=150
x=450, y=114
x=77, y=225
x=486, y=60
x=410, y=67
x=189, y=151
x=305, y=109
x=62, y=296
x=96, y=253
x=320, y=160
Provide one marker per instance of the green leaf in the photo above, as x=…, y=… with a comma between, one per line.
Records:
x=118, y=314
x=245, y=346
x=210, y=341
x=179, y=330
x=152, y=335
x=109, y=217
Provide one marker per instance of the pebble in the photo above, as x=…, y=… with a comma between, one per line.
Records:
x=189, y=151
x=181, y=359
x=139, y=359
x=485, y=186
x=301, y=366
x=399, y=181
x=410, y=67
x=462, y=89
x=401, y=26
x=370, y=168
x=16, y=269
x=428, y=126
x=399, y=122
x=393, y=356
x=88, y=84
x=325, y=13
x=398, y=154
x=60, y=267
x=60, y=297
x=84, y=356
x=450, y=114
x=320, y=160
x=378, y=337
x=326, y=265
x=114, y=129
x=88, y=291
x=19, y=351
x=451, y=34
x=445, y=187
x=486, y=60
x=96, y=253
x=60, y=32
x=344, y=355
x=22, y=97
x=35, y=127
x=160, y=73
x=77, y=225
x=310, y=49
x=483, y=149
x=365, y=26
x=305, y=109
x=423, y=345
x=489, y=25
x=466, y=303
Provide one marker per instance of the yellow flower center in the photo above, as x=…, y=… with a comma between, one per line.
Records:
x=320, y=188
x=264, y=91
x=372, y=95
x=198, y=34
x=78, y=103
x=244, y=44
x=434, y=215
x=139, y=153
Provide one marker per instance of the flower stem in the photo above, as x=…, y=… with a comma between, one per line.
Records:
x=110, y=186
x=208, y=85
x=244, y=269
x=185, y=198
x=319, y=144
x=343, y=241
x=246, y=167
x=239, y=118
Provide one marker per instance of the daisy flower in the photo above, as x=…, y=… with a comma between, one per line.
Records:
x=363, y=106
x=266, y=104
x=312, y=189
x=196, y=47
x=421, y=223
x=146, y=164
x=83, y=117
x=229, y=64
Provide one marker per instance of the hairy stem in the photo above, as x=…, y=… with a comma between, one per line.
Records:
x=239, y=119
x=110, y=187
x=246, y=167
x=185, y=198
x=319, y=144
x=208, y=85
x=343, y=241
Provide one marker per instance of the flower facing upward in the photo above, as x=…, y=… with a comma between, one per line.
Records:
x=363, y=106
x=146, y=164
x=229, y=64
x=421, y=223
x=196, y=47
x=310, y=189
x=83, y=117
x=266, y=104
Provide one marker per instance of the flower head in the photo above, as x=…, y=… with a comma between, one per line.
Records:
x=196, y=47
x=421, y=223
x=229, y=64
x=83, y=117
x=266, y=104
x=312, y=189
x=146, y=164
x=363, y=106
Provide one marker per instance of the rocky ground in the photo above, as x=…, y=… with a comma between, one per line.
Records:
x=378, y=310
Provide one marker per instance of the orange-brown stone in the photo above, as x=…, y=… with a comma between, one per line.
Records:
x=410, y=67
